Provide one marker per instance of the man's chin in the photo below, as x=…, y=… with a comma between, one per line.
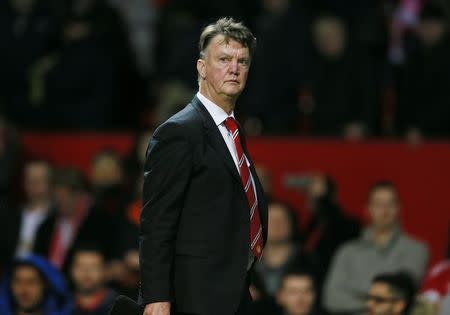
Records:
x=30, y=309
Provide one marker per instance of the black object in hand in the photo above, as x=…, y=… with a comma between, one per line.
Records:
x=125, y=306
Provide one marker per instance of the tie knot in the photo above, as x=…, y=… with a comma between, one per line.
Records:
x=231, y=124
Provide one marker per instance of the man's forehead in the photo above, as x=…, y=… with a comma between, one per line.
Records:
x=380, y=287
x=228, y=45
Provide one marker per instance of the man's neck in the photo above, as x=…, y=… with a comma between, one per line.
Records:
x=381, y=236
x=227, y=103
x=38, y=205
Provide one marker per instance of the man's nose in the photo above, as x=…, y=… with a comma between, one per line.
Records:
x=234, y=67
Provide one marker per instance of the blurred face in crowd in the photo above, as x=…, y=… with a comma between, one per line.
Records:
x=297, y=295
x=276, y=6
x=65, y=199
x=223, y=70
x=264, y=178
x=431, y=31
x=106, y=171
x=28, y=288
x=279, y=224
x=22, y=6
x=37, y=181
x=88, y=272
x=329, y=37
x=316, y=189
x=381, y=301
x=383, y=208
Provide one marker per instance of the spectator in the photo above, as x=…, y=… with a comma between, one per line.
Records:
x=424, y=109
x=88, y=274
x=107, y=177
x=79, y=86
x=271, y=103
x=436, y=285
x=383, y=247
x=18, y=228
x=28, y=31
x=329, y=226
x=75, y=222
x=343, y=93
x=32, y=287
x=391, y=294
x=297, y=293
x=282, y=248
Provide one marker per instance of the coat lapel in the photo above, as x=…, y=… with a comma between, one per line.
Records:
x=216, y=140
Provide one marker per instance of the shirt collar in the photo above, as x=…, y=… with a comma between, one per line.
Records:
x=367, y=237
x=216, y=112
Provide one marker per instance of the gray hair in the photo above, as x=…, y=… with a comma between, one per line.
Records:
x=230, y=29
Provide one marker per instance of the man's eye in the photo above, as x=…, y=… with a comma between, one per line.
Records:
x=244, y=62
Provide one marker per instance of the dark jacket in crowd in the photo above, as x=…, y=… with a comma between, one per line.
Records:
x=101, y=308
x=278, y=68
x=10, y=224
x=328, y=229
x=343, y=91
x=25, y=38
x=425, y=91
x=80, y=87
x=97, y=228
x=57, y=300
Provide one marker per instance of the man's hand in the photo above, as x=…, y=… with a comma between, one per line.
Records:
x=158, y=308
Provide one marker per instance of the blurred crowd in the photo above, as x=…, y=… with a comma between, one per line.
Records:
x=353, y=69
x=70, y=246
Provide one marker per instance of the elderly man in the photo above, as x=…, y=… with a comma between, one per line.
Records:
x=204, y=220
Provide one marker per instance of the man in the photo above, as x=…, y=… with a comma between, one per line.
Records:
x=297, y=294
x=424, y=96
x=391, y=294
x=383, y=247
x=74, y=222
x=204, y=220
x=19, y=227
x=92, y=297
x=34, y=287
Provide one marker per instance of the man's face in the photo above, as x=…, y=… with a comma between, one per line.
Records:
x=382, y=302
x=27, y=287
x=383, y=208
x=88, y=272
x=224, y=68
x=296, y=295
x=37, y=184
x=279, y=224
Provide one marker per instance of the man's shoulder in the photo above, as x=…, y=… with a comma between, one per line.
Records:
x=186, y=123
x=408, y=242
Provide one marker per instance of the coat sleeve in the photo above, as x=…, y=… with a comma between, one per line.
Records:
x=167, y=173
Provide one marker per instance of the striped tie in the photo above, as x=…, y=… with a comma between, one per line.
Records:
x=256, y=239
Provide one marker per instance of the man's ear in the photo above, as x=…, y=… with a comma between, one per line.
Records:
x=201, y=68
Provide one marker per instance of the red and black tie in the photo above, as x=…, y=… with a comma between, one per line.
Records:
x=256, y=238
